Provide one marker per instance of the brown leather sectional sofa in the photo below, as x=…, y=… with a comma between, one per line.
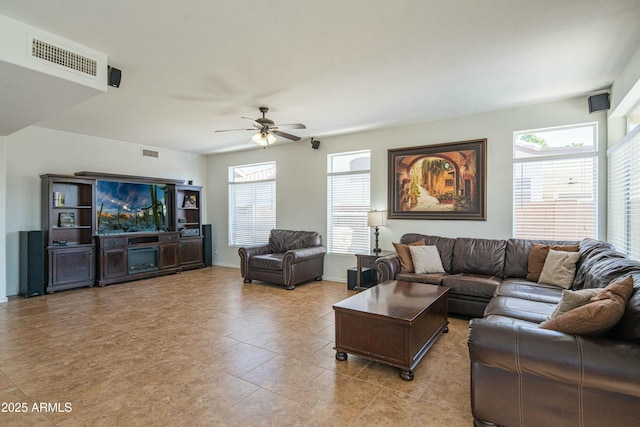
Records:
x=522, y=375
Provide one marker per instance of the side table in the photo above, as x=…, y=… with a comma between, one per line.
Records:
x=368, y=260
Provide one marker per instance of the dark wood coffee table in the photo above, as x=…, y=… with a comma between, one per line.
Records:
x=395, y=323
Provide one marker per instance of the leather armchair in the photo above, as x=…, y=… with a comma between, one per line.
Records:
x=289, y=258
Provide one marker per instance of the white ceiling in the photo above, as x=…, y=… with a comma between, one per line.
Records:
x=193, y=66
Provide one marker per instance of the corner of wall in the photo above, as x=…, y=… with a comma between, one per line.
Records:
x=3, y=228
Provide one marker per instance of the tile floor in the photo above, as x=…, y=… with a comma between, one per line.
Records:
x=203, y=348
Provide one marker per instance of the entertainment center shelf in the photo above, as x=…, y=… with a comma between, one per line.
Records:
x=105, y=228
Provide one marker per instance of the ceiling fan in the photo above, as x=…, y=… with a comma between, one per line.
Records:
x=267, y=129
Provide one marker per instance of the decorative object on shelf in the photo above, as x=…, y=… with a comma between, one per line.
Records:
x=440, y=181
x=188, y=232
x=376, y=219
x=189, y=201
x=67, y=219
x=182, y=220
x=58, y=198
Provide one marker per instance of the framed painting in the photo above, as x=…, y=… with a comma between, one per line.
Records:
x=441, y=181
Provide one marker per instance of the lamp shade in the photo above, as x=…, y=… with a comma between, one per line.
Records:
x=263, y=138
x=376, y=218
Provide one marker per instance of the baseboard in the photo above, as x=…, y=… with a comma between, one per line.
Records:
x=219, y=264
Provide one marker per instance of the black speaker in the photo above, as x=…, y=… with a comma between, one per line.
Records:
x=114, y=76
x=599, y=102
x=32, y=263
x=315, y=144
x=366, y=278
x=207, y=245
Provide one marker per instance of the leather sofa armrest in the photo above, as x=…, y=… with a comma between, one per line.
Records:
x=596, y=363
x=388, y=266
x=247, y=252
x=299, y=255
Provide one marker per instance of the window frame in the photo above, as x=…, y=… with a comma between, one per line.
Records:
x=553, y=160
x=258, y=234
x=361, y=232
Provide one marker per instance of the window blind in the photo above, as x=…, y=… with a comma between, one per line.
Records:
x=623, y=221
x=555, y=199
x=252, y=204
x=348, y=202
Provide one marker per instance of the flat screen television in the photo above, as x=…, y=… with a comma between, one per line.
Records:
x=130, y=207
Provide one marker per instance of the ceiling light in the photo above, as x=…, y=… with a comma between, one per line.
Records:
x=263, y=139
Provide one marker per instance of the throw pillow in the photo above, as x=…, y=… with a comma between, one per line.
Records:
x=599, y=315
x=538, y=255
x=406, y=264
x=559, y=268
x=573, y=299
x=426, y=259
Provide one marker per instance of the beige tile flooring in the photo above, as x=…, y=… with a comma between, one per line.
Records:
x=203, y=348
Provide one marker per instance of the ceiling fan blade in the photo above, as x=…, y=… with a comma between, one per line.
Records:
x=253, y=122
x=230, y=130
x=293, y=126
x=286, y=135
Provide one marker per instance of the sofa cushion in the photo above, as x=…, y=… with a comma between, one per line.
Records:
x=267, y=262
x=432, y=279
x=573, y=299
x=479, y=256
x=603, y=311
x=471, y=284
x=516, y=259
x=281, y=241
x=404, y=255
x=559, y=268
x=444, y=245
x=426, y=259
x=518, y=308
x=524, y=289
x=538, y=256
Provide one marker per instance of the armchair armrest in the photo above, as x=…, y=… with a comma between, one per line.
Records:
x=294, y=256
x=595, y=363
x=247, y=252
x=388, y=266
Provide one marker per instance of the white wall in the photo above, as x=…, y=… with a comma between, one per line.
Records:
x=301, y=176
x=625, y=95
x=34, y=151
x=3, y=212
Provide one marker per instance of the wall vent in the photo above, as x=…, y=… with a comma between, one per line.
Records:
x=54, y=54
x=150, y=153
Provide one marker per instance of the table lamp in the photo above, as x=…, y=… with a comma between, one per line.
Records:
x=375, y=219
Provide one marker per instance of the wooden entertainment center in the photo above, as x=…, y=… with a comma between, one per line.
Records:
x=79, y=254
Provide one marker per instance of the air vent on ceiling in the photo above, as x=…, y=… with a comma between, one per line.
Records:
x=150, y=153
x=66, y=58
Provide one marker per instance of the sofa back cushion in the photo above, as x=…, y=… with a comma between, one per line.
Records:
x=444, y=245
x=628, y=328
x=281, y=241
x=599, y=266
x=591, y=251
x=479, y=256
x=517, y=254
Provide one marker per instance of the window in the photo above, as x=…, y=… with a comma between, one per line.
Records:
x=633, y=119
x=252, y=203
x=348, y=201
x=623, y=222
x=555, y=183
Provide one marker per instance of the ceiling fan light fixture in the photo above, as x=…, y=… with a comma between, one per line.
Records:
x=264, y=138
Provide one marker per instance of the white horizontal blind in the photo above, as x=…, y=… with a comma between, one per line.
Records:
x=623, y=223
x=555, y=184
x=252, y=203
x=348, y=202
